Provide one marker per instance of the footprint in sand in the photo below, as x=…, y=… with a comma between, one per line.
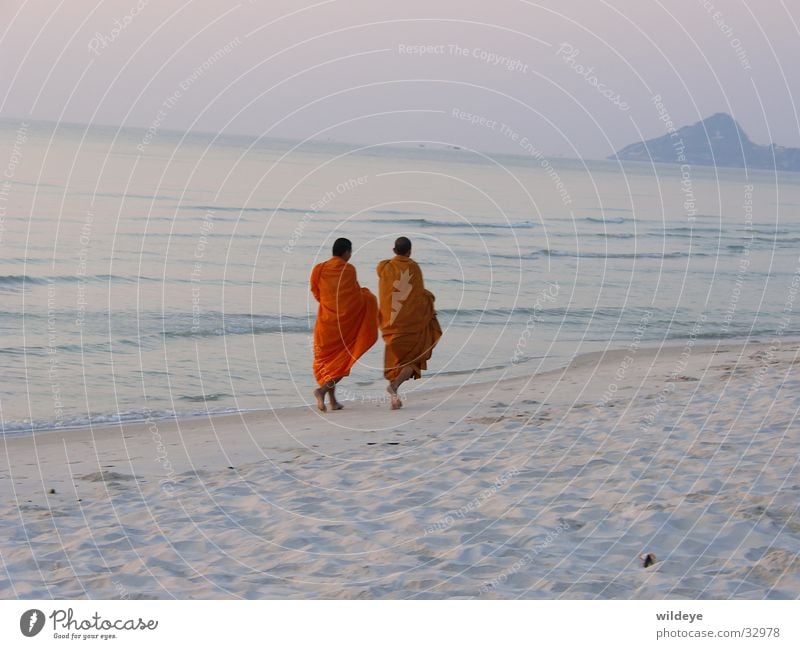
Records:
x=107, y=476
x=486, y=420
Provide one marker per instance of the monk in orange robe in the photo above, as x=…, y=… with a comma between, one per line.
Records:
x=347, y=321
x=407, y=319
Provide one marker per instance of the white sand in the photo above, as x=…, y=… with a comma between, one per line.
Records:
x=523, y=488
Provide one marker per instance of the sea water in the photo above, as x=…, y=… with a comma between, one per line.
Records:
x=168, y=276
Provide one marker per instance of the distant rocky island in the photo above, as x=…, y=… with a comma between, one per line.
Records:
x=717, y=140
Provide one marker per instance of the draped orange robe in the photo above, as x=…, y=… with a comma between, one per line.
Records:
x=347, y=319
x=407, y=317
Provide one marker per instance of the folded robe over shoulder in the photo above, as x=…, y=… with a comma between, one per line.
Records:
x=407, y=317
x=347, y=319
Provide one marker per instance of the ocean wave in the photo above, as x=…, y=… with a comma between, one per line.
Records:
x=149, y=197
x=777, y=239
x=203, y=398
x=732, y=333
x=660, y=234
x=676, y=254
x=475, y=370
x=236, y=209
x=608, y=209
x=684, y=228
x=476, y=313
x=20, y=280
x=26, y=426
x=507, y=313
x=765, y=230
x=209, y=327
x=663, y=324
x=434, y=223
x=127, y=328
x=761, y=243
x=12, y=281
x=42, y=350
x=394, y=212
x=608, y=219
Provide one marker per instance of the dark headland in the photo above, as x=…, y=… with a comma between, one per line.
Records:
x=717, y=141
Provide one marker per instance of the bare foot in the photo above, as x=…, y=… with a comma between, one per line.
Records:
x=396, y=403
x=335, y=405
x=319, y=395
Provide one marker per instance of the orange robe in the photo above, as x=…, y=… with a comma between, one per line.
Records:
x=407, y=317
x=347, y=319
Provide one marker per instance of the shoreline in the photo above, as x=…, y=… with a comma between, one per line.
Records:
x=189, y=416
x=176, y=426
x=693, y=457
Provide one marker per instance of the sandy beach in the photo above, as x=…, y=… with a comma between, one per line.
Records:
x=549, y=486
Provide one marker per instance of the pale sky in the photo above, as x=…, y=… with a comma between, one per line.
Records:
x=347, y=69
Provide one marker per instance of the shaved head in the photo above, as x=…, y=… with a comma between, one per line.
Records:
x=402, y=246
